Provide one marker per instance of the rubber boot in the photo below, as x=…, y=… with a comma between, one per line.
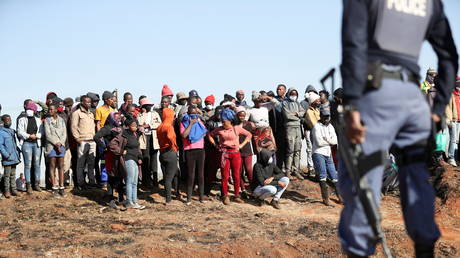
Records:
x=29, y=188
x=324, y=192
x=424, y=251
x=337, y=192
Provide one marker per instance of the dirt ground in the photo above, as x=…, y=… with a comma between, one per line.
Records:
x=83, y=226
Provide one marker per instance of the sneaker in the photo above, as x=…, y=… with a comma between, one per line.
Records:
x=37, y=188
x=238, y=199
x=113, y=204
x=138, y=206
x=204, y=199
x=276, y=204
x=128, y=205
x=226, y=200
x=14, y=192
x=260, y=202
x=299, y=176
x=1, y=196
x=56, y=193
x=452, y=162
x=62, y=193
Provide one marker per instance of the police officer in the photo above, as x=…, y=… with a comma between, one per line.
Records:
x=381, y=42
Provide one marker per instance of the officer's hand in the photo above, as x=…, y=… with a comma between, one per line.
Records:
x=436, y=118
x=356, y=131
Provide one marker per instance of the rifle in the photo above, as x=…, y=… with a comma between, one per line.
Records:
x=329, y=74
x=358, y=165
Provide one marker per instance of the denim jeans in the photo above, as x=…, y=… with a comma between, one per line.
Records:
x=453, y=140
x=263, y=192
x=324, y=166
x=32, y=155
x=132, y=175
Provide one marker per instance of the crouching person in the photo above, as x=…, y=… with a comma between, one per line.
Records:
x=269, y=180
x=10, y=156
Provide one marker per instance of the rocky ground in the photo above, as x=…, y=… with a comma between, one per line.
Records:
x=76, y=226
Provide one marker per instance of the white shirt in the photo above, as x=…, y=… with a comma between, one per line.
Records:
x=259, y=116
x=323, y=137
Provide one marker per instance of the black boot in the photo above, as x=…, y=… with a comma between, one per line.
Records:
x=36, y=187
x=337, y=193
x=324, y=192
x=424, y=251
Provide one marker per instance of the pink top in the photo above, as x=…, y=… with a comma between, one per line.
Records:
x=230, y=138
x=187, y=144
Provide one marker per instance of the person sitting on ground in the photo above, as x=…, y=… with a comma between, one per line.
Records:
x=21, y=183
x=324, y=136
x=10, y=156
x=269, y=180
x=56, y=137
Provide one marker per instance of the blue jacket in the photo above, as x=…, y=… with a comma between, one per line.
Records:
x=8, y=147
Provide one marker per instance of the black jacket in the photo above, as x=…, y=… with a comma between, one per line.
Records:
x=263, y=170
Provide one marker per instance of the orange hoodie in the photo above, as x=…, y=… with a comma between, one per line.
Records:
x=165, y=132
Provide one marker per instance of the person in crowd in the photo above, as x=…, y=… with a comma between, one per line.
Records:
x=94, y=101
x=269, y=180
x=127, y=100
x=263, y=137
x=313, y=114
x=230, y=146
x=133, y=160
x=193, y=131
x=30, y=132
x=113, y=160
x=167, y=92
x=454, y=127
x=83, y=130
x=246, y=151
x=164, y=103
x=21, y=183
x=324, y=98
x=209, y=102
x=23, y=113
x=324, y=136
x=293, y=114
x=451, y=122
x=307, y=131
x=336, y=106
x=213, y=154
x=168, y=154
x=240, y=99
x=277, y=124
x=149, y=120
x=56, y=138
x=50, y=96
x=193, y=100
x=181, y=101
x=103, y=111
x=10, y=156
x=428, y=86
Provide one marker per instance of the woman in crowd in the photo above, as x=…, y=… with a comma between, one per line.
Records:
x=56, y=137
x=103, y=137
x=30, y=131
x=230, y=146
x=192, y=130
x=133, y=159
x=168, y=153
x=246, y=151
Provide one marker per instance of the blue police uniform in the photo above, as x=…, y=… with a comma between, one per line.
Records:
x=390, y=33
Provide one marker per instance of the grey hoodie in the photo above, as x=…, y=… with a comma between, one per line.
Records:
x=293, y=112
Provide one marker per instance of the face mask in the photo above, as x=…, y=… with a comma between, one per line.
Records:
x=7, y=125
x=29, y=113
x=293, y=98
x=60, y=109
x=270, y=161
x=209, y=107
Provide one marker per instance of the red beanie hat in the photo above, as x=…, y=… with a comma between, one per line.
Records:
x=210, y=98
x=166, y=91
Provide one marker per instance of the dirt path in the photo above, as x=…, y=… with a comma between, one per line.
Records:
x=80, y=226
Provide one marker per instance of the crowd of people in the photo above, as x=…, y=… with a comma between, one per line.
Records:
x=117, y=148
